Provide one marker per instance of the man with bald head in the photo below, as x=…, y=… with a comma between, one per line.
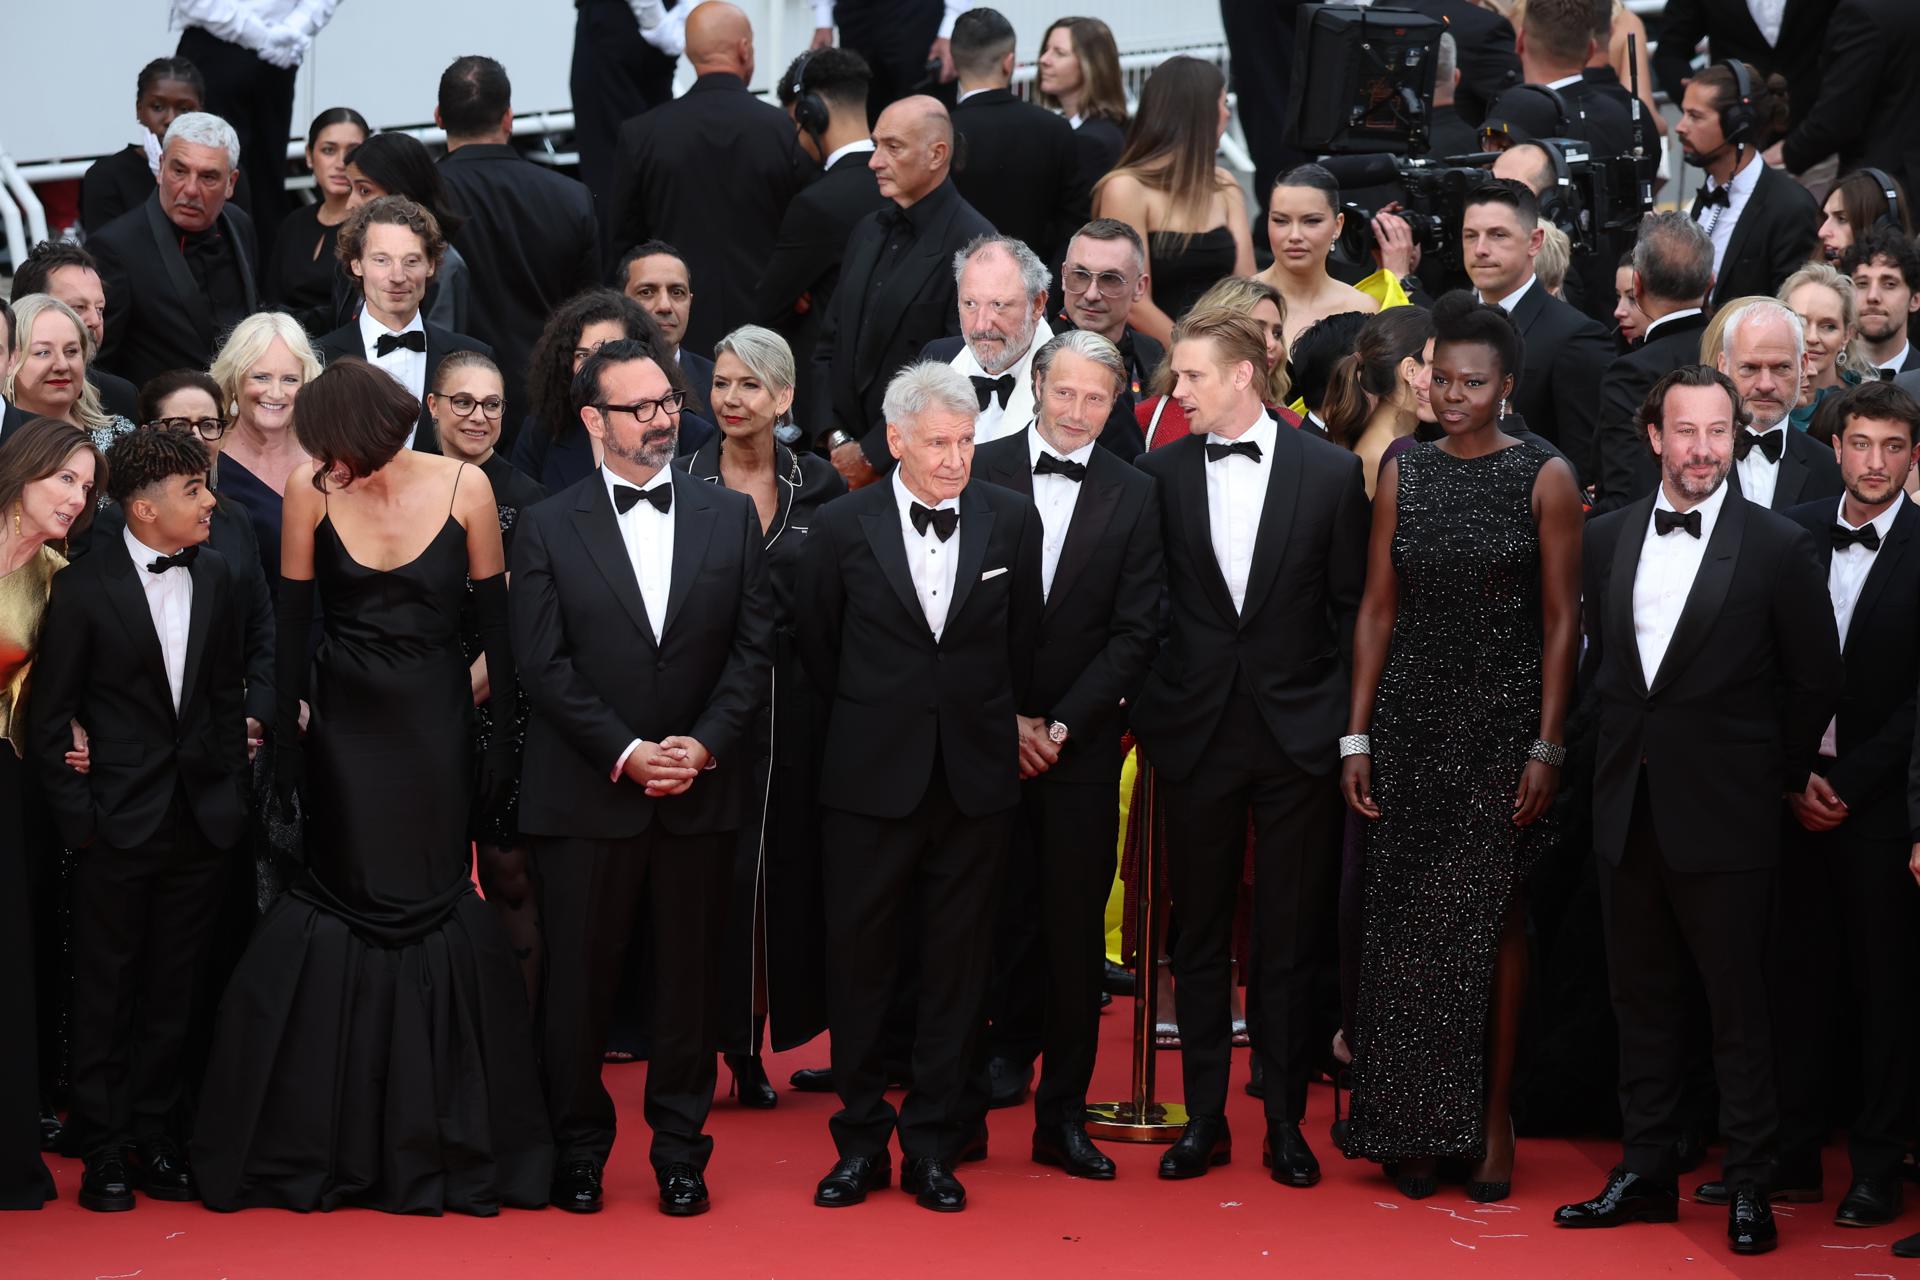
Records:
x=897, y=291
x=663, y=188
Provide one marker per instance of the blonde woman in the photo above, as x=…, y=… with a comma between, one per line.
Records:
x=1824, y=300
x=260, y=370
x=48, y=375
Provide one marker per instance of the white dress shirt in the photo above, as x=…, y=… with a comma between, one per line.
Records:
x=1667, y=569
x=1236, y=495
x=648, y=535
x=1759, y=474
x=1846, y=575
x=280, y=31
x=1646, y=335
x=858, y=144
x=406, y=367
x=1055, y=496
x=931, y=562
x=1719, y=223
x=997, y=420
x=1768, y=15
x=1889, y=368
x=170, y=601
x=1512, y=300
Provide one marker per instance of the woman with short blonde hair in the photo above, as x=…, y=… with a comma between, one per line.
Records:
x=48, y=375
x=260, y=369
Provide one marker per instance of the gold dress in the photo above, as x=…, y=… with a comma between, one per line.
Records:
x=23, y=603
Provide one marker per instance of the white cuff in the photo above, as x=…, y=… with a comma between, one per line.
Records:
x=954, y=8
x=822, y=13
x=620, y=765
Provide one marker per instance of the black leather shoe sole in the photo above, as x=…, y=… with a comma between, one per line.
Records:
x=1860, y=1216
x=572, y=1205
x=1075, y=1169
x=179, y=1195
x=685, y=1208
x=1220, y=1156
x=853, y=1195
x=1766, y=1245
x=1642, y=1213
x=1289, y=1177
x=99, y=1202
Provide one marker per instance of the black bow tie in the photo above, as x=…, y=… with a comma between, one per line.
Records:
x=178, y=560
x=1887, y=375
x=1052, y=466
x=986, y=388
x=1703, y=199
x=892, y=216
x=1773, y=444
x=943, y=519
x=625, y=495
x=413, y=340
x=1665, y=521
x=1215, y=452
x=1865, y=536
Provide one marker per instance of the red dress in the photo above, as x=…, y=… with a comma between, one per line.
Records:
x=1173, y=420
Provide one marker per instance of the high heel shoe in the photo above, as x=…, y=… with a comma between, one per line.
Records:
x=750, y=1081
x=1416, y=1185
x=1482, y=1191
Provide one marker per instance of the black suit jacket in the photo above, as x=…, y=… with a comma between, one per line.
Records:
x=116, y=183
x=1626, y=467
x=1488, y=60
x=897, y=699
x=1292, y=643
x=698, y=371
x=1564, y=354
x=1774, y=238
x=157, y=317
x=596, y=677
x=1869, y=97
x=1875, y=718
x=346, y=341
x=1730, y=32
x=1100, y=624
x=916, y=306
x=1808, y=472
x=1019, y=166
x=664, y=189
x=1732, y=719
x=117, y=395
x=143, y=751
x=12, y=419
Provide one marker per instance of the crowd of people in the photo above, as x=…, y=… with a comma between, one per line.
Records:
x=763, y=592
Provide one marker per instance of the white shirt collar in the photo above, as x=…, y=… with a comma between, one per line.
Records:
x=140, y=551
x=972, y=93
x=663, y=476
x=1745, y=179
x=1263, y=432
x=1709, y=509
x=903, y=498
x=1512, y=300
x=1036, y=446
x=1021, y=369
x=1565, y=82
x=1899, y=358
x=833, y=157
x=1881, y=523
x=371, y=328
x=1671, y=315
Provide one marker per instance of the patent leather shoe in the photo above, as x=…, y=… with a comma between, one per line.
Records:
x=1906, y=1247
x=1204, y=1143
x=1627, y=1197
x=1067, y=1146
x=851, y=1177
x=932, y=1184
x=577, y=1188
x=1785, y=1184
x=683, y=1192
x=1870, y=1202
x=1750, y=1227
x=1286, y=1153
x=811, y=1080
x=106, y=1187
x=161, y=1171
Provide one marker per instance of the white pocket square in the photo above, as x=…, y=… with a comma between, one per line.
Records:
x=992, y=573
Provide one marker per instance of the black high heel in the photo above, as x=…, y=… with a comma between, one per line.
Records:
x=750, y=1081
x=1484, y=1192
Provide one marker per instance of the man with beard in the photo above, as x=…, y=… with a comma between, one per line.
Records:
x=1001, y=288
x=1885, y=268
x=1774, y=466
x=1104, y=274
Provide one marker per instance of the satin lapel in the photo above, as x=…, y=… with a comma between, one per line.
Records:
x=130, y=602
x=1793, y=476
x=1621, y=637
x=693, y=519
x=1190, y=479
x=1708, y=593
x=1017, y=478
x=249, y=285
x=922, y=260
x=882, y=528
x=1751, y=216
x=206, y=590
x=426, y=437
x=1886, y=562
x=976, y=526
x=1276, y=518
x=166, y=239
x=598, y=528
x=1092, y=513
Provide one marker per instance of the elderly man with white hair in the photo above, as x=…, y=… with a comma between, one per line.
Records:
x=179, y=270
x=923, y=608
x=1774, y=466
x=1001, y=288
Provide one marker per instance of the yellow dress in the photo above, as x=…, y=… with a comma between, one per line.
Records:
x=23, y=604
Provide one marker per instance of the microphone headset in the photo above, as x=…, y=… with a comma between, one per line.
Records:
x=1738, y=119
x=809, y=111
x=1891, y=218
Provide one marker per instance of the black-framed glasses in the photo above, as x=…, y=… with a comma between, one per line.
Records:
x=643, y=410
x=1110, y=284
x=205, y=428
x=463, y=405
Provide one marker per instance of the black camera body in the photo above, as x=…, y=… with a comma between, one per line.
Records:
x=1432, y=195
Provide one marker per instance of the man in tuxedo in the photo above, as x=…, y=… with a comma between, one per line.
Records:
x=1672, y=275
x=656, y=276
x=1103, y=274
x=1774, y=466
x=921, y=628
x=1867, y=99
x=392, y=247
x=530, y=239
x=1001, y=289
x=896, y=293
x=1101, y=580
x=1265, y=530
x=179, y=269
x=1763, y=224
x=643, y=617
x=1885, y=268
x=1566, y=352
x=163, y=800
x=905, y=42
x=1017, y=162
x=1784, y=37
x=63, y=270
x=1713, y=663
x=661, y=190
x=616, y=74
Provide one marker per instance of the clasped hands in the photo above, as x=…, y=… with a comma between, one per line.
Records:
x=667, y=767
x=1038, y=753
x=1818, y=807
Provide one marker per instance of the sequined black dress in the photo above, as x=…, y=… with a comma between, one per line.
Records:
x=1457, y=706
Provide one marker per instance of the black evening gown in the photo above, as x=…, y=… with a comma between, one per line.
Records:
x=24, y=1181
x=301, y=273
x=1457, y=706
x=512, y=492
x=374, y=1047
x=1184, y=267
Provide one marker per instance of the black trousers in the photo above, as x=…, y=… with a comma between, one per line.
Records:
x=1295, y=820
x=1260, y=39
x=894, y=37
x=587, y=891
x=1660, y=922
x=616, y=75
x=256, y=98
x=142, y=919
x=938, y=871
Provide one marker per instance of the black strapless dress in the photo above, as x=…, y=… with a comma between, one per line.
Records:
x=374, y=1047
x=1184, y=267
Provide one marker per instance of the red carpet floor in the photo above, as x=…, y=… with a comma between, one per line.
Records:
x=1022, y=1220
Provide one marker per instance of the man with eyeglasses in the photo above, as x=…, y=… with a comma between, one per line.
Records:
x=1001, y=290
x=1104, y=273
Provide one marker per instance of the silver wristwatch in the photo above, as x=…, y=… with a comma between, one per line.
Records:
x=1056, y=732
x=836, y=438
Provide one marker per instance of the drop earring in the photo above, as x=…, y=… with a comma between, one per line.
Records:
x=1503, y=406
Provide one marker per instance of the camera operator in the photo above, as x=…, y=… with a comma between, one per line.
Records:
x=1556, y=43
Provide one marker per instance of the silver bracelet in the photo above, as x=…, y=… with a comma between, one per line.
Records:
x=1547, y=753
x=1355, y=744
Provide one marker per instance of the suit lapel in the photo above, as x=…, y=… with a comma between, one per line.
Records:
x=1528, y=309
x=426, y=438
x=693, y=519
x=1092, y=513
x=1754, y=212
x=130, y=602
x=1886, y=563
x=1621, y=636
x=199, y=621
x=924, y=258
x=882, y=527
x=1018, y=478
x=1708, y=593
x=1190, y=479
x=599, y=529
x=1276, y=518
x=166, y=238
x=976, y=526
x=249, y=286
x=1793, y=473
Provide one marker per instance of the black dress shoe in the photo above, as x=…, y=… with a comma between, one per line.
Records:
x=933, y=1186
x=1008, y=1081
x=1286, y=1153
x=51, y=1128
x=1116, y=980
x=750, y=1081
x=1067, y=1146
x=1750, y=1226
x=105, y=1187
x=1204, y=1143
x=161, y=1171
x=811, y=1080
x=577, y=1188
x=1870, y=1202
x=851, y=1178
x=1785, y=1184
x=1907, y=1247
x=683, y=1192
x=1627, y=1197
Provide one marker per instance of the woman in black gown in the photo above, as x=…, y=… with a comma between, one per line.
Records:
x=1462, y=672
x=374, y=1047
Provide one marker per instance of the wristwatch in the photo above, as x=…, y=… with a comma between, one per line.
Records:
x=1056, y=732
x=836, y=438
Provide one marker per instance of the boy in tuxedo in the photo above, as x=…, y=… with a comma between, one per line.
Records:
x=152, y=813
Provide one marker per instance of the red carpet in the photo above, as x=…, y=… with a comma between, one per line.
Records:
x=1022, y=1220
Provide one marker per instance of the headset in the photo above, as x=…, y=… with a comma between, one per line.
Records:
x=1738, y=120
x=809, y=111
x=1891, y=218
x=1560, y=202
x=1564, y=114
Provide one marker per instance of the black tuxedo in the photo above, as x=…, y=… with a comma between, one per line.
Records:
x=158, y=316
x=663, y=189
x=596, y=680
x=1240, y=714
x=121, y=181
x=1868, y=95
x=1775, y=236
x=12, y=418
x=347, y=341
x=898, y=295
x=1625, y=468
x=698, y=371
x=1807, y=472
x=1730, y=32
x=1686, y=823
x=921, y=780
x=1018, y=165
x=1122, y=434
x=1488, y=60
x=1563, y=355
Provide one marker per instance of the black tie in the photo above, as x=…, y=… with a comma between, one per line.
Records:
x=625, y=495
x=943, y=519
x=1704, y=199
x=986, y=388
x=1886, y=375
x=1052, y=466
x=1215, y=452
x=1773, y=444
x=1665, y=522
x=386, y=343
x=1865, y=536
x=178, y=560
